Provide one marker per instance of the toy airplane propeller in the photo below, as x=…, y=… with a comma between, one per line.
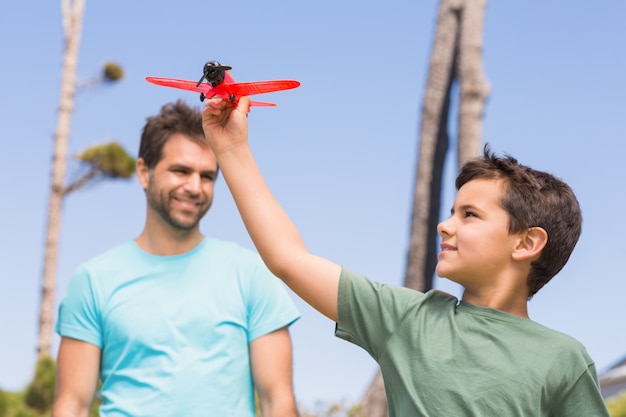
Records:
x=219, y=83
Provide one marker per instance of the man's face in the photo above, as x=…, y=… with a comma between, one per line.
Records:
x=476, y=246
x=179, y=189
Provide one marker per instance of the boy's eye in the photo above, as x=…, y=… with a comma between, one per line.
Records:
x=470, y=214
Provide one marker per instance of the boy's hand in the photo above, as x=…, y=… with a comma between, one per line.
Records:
x=225, y=126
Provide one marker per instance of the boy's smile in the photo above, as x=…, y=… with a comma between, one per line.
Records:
x=476, y=246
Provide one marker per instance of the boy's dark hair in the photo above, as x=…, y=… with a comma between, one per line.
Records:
x=173, y=118
x=533, y=199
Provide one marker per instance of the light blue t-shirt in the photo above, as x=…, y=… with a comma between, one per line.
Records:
x=174, y=330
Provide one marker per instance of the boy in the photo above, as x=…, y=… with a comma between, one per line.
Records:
x=511, y=229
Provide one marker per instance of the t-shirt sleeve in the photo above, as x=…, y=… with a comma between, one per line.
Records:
x=370, y=312
x=271, y=306
x=78, y=312
x=584, y=399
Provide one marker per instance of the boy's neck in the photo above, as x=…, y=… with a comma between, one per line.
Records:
x=508, y=301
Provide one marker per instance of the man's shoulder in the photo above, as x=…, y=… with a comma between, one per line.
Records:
x=130, y=249
x=218, y=244
x=106, y=268
x=111, y=261
x=228, y=250
x=115, y=254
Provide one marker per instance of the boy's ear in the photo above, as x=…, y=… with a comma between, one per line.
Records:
x=143, y=173
x=531, y=243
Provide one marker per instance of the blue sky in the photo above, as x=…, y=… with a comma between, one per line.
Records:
x=339, y=152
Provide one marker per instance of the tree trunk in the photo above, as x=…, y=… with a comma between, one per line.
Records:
x=374, y=401
x=72, y=15
x=433, y=146
x=474, y=88
x=456, y=53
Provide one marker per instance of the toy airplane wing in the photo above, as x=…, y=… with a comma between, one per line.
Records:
x=259, y=87
x=180, y=84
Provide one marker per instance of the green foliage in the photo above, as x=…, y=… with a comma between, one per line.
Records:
x=94, y=409
x=13, y=405
x=335, y=410
x=25, y=412
x=95, y=405
x=616, y=405
x=112, y=72
x=109, y=159
x=39, y=394
x=4, y=403
x=36, y=400
x=257, y=405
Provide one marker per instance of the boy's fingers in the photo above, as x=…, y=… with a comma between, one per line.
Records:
x=244, y=104
x=215, y=105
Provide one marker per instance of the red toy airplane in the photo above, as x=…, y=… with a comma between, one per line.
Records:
x=220, y=83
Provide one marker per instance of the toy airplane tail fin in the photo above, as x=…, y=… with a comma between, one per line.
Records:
x=261, y=103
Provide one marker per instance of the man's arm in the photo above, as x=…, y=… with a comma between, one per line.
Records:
x=271, y=361
x=78, y=365
x=314, y=279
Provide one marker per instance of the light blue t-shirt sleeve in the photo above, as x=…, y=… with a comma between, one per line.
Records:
x=271, y=307
x=78, y=313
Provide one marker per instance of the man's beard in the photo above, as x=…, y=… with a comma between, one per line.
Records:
x=160, y=203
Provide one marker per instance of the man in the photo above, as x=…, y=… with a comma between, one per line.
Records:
x=175, y=323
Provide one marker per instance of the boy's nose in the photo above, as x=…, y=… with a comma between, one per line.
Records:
x=444, y=228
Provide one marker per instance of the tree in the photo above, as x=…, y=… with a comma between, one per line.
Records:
x=337, y=409
x=39, y=394
x=455, y=57
x=617, y=405
x=72, y=16
x=109, y=160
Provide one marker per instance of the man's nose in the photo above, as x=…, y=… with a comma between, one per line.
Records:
x=193, y=184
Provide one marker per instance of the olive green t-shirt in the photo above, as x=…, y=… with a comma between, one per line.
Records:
x=444, y=358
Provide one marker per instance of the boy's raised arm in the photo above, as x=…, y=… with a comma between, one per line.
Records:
x=314, y=279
